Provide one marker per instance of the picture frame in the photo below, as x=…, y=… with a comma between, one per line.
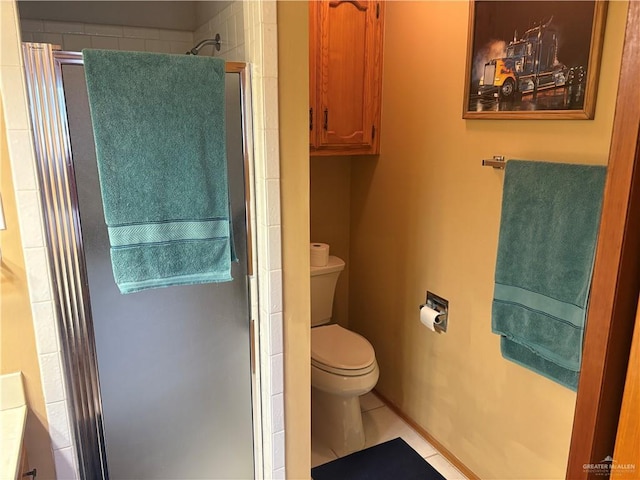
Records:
x=543, y=58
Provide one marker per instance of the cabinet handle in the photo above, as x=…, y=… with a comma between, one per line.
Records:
x=326, y=119
x=311, y=119
x=31, y=474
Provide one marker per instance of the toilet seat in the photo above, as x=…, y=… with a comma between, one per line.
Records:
x=340, y=351
x=343, y=372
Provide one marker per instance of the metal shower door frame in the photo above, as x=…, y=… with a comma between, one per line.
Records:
x=56, y=177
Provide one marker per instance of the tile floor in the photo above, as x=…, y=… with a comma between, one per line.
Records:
x=382, y=424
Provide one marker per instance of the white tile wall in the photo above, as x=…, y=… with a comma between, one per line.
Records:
x=51, y=371
x=76, y=42
x=273, y=200
x=22, y=158
x=276, y=333
x=229, y=23
x=274, y=240
x=140, y=32
x=45, y=328
x=76, y=36
x=176, y=35
x=55, y=27
x=275, y=290
x=272, y=148
x=32, y=25
x=105, y=43
x=277, y=412
x=65, y=463
x=101, y=30
x=46, y=37
x=133, y=44
x=248, y=31
x=278, y=451
x=20, y=146
x=35, y=260
x=260, y=18
x=59, y=425
x=159, y=46
x=28, y=202
x=277, y=380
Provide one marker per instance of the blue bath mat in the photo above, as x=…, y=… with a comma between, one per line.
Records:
x=392, y=460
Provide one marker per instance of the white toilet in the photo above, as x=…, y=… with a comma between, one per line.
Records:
x=343, y=367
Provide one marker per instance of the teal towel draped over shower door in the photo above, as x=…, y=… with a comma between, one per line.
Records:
x=159, y=127
x=548, y=232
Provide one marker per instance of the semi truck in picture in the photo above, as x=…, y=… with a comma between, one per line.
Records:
x=530, y=65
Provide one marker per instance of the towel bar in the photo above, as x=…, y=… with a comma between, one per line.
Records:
x=496, y=162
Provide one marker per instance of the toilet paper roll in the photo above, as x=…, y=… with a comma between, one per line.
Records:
x=430, y=317
x=319, y=254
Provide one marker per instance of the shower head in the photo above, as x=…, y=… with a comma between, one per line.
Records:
x=207, y=41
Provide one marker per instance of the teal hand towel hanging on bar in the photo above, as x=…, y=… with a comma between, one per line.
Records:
x=548, y=232
x=159, y=128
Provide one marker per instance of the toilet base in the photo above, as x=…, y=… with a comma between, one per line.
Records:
x=336, y=421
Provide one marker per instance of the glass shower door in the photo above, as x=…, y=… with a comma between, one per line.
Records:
x=174, y=363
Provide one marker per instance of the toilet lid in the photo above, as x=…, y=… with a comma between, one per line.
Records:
x=338, y=347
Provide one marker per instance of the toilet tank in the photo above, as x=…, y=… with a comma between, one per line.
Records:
x=323, y=286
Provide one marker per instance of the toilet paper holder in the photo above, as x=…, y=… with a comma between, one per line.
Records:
x=441, y=305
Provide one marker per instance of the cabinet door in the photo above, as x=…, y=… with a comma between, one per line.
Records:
x=348, y=79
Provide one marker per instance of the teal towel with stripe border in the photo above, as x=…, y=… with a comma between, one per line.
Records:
x=548, y=231
x=159, y=128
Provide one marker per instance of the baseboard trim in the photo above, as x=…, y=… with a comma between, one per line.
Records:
x=429, y=438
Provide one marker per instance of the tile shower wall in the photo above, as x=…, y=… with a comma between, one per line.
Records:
x=229, y=23
x=261, y=47
x=19, y=137
x=77, y=36
x=258, y=27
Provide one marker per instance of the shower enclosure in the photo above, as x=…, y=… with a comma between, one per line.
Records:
x=159, y=381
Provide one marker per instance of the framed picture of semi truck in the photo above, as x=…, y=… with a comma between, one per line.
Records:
x=533, y=59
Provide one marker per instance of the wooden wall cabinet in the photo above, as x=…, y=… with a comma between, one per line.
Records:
x=345, y=78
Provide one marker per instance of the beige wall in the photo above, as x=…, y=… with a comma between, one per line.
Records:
x=425, y=216
x=17, y=339
x=293, y=81
x=330, y=199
